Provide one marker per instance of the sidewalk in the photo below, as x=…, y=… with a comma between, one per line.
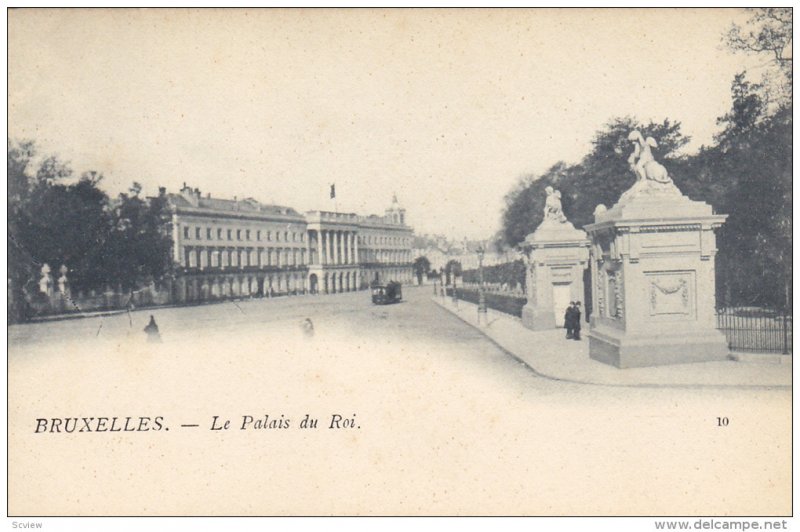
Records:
x=551, y=355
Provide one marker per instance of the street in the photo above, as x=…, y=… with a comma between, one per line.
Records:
x=433, y=419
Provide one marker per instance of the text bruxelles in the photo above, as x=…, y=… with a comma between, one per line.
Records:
x=100, y=424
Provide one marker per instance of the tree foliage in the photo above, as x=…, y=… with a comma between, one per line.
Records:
x=768, y=32
x=56, y=218
x=601, y=177
x=421, y=267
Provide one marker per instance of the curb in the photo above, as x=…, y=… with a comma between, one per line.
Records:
x=539, y=373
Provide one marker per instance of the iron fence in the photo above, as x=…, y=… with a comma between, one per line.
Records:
x=756, y=330
x=509, y=304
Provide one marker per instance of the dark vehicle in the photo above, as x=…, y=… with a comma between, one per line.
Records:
x=391, y=292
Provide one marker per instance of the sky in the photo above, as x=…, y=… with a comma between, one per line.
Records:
x=445, y=108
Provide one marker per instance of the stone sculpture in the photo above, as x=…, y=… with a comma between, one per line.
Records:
x=642, y=161
x=46, y=281
x=552, y=207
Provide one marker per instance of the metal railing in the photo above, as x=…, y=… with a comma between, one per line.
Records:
x=756, y=330
x=508, y=304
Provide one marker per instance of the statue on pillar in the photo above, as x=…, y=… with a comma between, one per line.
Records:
x=552, y=207
x=642, y=161
x=63, y=282
x=651, y=176
x=46, y=281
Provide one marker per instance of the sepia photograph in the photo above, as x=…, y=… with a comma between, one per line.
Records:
x=451, y=262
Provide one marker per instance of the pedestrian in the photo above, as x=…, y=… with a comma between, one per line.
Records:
x=152, y=331
x=576, y=324
x=308, y=327
x=568, y=320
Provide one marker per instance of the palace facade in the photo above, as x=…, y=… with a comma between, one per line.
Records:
x=225, y=248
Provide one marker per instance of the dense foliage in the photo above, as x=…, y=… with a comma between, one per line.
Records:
x=56, y=218
x=511, y=274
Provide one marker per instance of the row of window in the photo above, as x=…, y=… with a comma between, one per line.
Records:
x=392, y=240
x=242, y=234
x=280, y=236
x=278, y=257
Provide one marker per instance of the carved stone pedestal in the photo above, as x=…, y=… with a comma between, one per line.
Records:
x=556, y=257
x=652, y=267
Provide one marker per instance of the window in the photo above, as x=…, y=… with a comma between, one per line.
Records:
x=247, y=234
x=238, y=234
x=230, y=232
x=186, y=233
x=269, y=236
x=208, y=233
x=278, y=236
x=219, y=234
x=302, y=237
x=286, y=236
x=258, y=236
x=197, y=233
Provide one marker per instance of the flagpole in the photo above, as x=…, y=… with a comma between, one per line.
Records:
x=333, y=197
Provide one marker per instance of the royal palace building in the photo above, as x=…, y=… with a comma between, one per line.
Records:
x=227, y=248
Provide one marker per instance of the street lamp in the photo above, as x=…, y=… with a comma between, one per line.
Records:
x=453, y=276
x=481, y=292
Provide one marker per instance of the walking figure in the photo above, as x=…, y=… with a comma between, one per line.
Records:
x=152, y=331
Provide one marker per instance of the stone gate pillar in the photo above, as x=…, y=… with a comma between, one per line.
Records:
x=556, y=256
x=653, y=280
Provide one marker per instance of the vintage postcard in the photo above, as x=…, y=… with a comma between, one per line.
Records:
x=400, y=262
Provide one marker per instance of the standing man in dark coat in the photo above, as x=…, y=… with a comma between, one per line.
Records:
x=152, y=331
x=569, y=321
x=576, y=324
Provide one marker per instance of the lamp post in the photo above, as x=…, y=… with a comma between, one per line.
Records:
x=481, y=293
x=453, y=275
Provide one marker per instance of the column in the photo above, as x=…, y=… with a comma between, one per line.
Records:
x=319, y=248
x=336, y=243
x=328, y=247
x=355, y=248
x=350, y=248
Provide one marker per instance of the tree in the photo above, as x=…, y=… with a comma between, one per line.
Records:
x=525, y=204
x=601, y=177
x=57, y=219
x=52, y=221
x=768, y=31
x=421, y=267
x=139, y=246
x=452, y=269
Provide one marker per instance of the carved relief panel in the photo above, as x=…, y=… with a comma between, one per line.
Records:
x=671, y=294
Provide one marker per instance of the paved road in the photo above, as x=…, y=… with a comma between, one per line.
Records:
x=447, y=422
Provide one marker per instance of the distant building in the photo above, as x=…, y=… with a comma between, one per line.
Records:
x=439, y=251
x=240, y=247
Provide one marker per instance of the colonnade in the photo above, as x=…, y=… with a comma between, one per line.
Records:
x=236, y=257
x=336, y=247
x=334, y=282
x=206, y=287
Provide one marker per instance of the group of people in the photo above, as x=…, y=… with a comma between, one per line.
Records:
x=572, y=320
